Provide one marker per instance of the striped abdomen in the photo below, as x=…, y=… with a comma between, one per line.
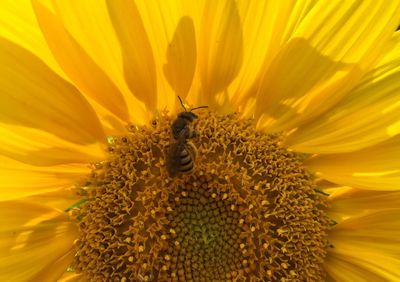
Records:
x=186, y=161
x=181, y=158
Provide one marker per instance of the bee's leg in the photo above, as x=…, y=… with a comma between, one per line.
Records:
x=194, y=134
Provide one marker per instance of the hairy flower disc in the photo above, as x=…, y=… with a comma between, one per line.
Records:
x=247, y=211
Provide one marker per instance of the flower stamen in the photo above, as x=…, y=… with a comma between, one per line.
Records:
x=249, y=209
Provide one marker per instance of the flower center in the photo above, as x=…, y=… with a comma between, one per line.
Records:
x=248, y=210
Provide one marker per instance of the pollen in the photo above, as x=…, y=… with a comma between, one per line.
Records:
x=248, y=211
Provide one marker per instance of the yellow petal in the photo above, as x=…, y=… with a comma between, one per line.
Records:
x=218, y=65
x=32, y=239
x=344, y=30
x=137, y=55
x=330, y=189
x=340, y=268
x=37, y=147
x=369, y=244
x=78, y=65
x=352, y=202
x=65, y=199
x=285, y=97
x=56, y=269
x=19, y=180
x=267, y=26
x=101, y=45
x=329, y=51
x=89, y=24
x=374, y=168
x=220, y=48
x=181, y=57
x=70, y=277
x=368, y=115
x=34, y=96
x=172, y=34
x=18, y=24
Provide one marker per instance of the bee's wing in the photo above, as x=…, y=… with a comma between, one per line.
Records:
x=173, y=161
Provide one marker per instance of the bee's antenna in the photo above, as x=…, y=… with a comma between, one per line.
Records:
x=182, y=103
x=201, y=107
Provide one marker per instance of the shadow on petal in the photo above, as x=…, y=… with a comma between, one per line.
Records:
x=301, y=84
x=181, y=57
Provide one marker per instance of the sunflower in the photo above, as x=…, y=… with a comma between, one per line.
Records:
x=291, y=173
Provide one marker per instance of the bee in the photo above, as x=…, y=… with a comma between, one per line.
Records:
x=182, y=153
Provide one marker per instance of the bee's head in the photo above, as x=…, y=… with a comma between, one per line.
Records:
x=189, y=116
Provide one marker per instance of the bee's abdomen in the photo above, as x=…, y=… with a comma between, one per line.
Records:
x=186, y=161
